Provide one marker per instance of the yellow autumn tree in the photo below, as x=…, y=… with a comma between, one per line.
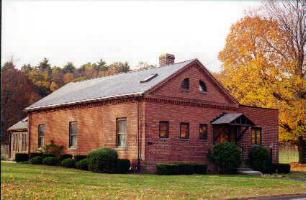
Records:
x=260, y=69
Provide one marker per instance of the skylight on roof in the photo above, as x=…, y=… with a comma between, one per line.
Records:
x=148, y=78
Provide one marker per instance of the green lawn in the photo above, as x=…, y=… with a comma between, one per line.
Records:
x=25, y=181
x=288, y=155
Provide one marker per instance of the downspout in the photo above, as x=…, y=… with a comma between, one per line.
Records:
x=138, y=135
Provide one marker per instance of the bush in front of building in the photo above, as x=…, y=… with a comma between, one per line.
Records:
x=54, y=149
x=260, y=159
x=282, y=168
x=52, y=161
x=68, y=162
x=34, y=154
x=180, y=168
x=103, y=160
x=21, y=157
x=123, y=166
x=227, y=157
x=36, y=160
x=82, y=164
x=79, y=157
x=65, y=156
x=200, y=168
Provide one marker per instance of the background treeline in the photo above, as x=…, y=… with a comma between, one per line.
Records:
x=21, y=86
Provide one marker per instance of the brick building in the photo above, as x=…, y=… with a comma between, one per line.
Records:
x=173, y=113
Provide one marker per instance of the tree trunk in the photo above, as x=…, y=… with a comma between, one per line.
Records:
x=302, y=150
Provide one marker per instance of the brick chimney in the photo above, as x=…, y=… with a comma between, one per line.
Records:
x=166, y=59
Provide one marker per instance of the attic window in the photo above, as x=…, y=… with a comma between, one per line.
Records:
x=202, y=86
x=185, y=84
x=148, y=78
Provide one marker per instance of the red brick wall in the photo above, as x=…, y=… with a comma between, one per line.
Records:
x=194, y=73
x=175, y=149
x=267, y=119
x=96, y=127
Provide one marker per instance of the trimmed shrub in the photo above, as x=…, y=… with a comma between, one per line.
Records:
x=36, y=160
x=79, y=157
x=226, y=156
x=166, y=169
x=123, y=166
x=65, y=156
x=82, y=164
x=20, y=157
x=185, y=168
x=32, y=155
x=282, y=168
x=68, y=162
x=45, y=155
x=50, y=161
x=103, y=160
x=180, y=168
x=200, y=169
x=260, y=159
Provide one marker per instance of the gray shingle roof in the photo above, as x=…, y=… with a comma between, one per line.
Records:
x=227, y=118
x=21, y=125
x=123, y=84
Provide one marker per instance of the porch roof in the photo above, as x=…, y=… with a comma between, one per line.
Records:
x=21, y=125
x=233, y=118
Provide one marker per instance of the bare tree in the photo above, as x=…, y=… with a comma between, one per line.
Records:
x=291, y=16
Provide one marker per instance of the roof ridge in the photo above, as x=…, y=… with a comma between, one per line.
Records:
x=129, y=72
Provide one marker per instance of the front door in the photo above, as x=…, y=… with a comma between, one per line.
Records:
x=225, y=134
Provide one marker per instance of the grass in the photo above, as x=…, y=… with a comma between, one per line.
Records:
x=288, y=155
x=25, y=181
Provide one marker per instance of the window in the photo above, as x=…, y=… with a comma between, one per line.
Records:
x=202, y=86
x=121, y=132
x=256, y=135
x=185, y=84
x=24, y=142
x=73, y=133
x=164, y=129
x=184, y=130
x=41, y=135
x=203, y=131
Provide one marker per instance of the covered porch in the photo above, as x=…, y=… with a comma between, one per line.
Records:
x=231, y=127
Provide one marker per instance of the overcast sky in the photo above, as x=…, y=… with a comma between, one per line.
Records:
x=131, y=31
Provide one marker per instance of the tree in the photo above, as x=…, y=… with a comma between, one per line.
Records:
x=261, y=68
x=17, y=92
x=69, y=68
x=119, y=67
x=144, y=65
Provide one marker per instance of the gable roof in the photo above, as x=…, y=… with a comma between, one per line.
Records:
x=21, y=125
x=232, y=118
x=124, y=84
x=135, y=83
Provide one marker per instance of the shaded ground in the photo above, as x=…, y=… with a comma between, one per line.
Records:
x=24, y=181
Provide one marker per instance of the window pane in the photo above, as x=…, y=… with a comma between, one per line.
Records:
x=41, y=129
x=202, y=86
x=121, y=132
x=73, y=131
x=258, y=136
x=41, y=135
x=203, y=131
x=184, y=134
x=121, y=140
x=185, y=84
x=122, y=126
x=163, y=129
